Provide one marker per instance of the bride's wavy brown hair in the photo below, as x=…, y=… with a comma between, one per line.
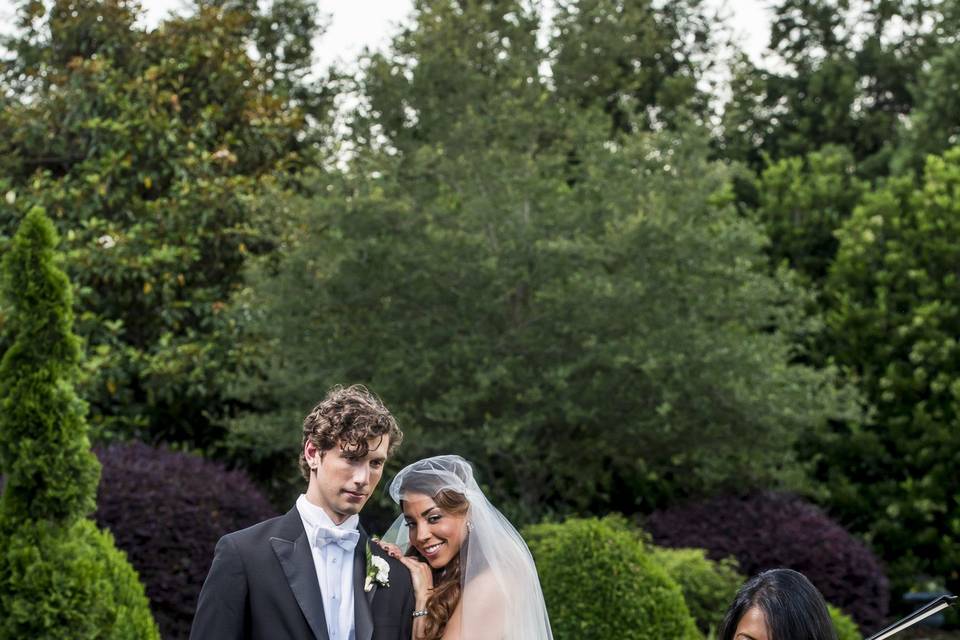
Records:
x=446, y=581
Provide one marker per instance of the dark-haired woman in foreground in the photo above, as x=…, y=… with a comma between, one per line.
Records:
x=780, y=604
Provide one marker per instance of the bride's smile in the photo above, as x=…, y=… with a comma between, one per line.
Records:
x=435, y=532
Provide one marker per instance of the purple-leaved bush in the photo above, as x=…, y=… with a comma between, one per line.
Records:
x=768, y=530
x=167, y=510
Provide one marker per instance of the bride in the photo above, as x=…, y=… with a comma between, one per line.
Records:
x=473, y=576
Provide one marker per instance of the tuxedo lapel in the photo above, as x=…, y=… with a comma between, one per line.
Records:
x=293, y=552
x=362, y=613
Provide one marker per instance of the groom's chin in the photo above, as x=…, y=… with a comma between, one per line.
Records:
x=349, y=510
x=350, y=507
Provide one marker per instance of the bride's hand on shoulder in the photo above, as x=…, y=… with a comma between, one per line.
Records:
x=392, y=550
x=422, y=577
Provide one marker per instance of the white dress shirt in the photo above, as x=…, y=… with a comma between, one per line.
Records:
x=334, y=569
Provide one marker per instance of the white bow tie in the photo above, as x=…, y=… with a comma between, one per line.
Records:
x=346, y=538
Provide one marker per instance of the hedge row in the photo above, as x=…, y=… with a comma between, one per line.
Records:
x=167, y=510
x=770, y=530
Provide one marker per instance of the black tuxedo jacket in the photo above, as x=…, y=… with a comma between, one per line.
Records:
x=263, y=585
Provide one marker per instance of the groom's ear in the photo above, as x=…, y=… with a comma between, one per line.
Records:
x=312, y=454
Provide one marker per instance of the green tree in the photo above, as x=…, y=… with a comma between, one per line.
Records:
x=894, y=309
x=516, y=318
x=802, y=202
x=58, y=573
x=594, y=335
x=934, y=123
x=148, y=149
x=482, y=63
x=843, y=77
x=643, y=63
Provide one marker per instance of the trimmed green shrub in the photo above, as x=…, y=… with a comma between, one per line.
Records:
x=600, y=581
x=708, y=586
x=845, y=626
x=70, y=581
x=59, y=576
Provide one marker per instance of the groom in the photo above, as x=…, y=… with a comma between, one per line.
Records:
x=306, y=575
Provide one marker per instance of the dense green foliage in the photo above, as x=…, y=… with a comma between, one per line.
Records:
x=844, y=625
x=612, y=318
x=147, y=148
x=58, y=573
x=69, y=580
x=894, y=312
x=644, y=63
x=859, y=97
x=802, y=201
x=44, y=451
x=845, y=75
x=934, y=123
x=708, y=586
x=600, y=581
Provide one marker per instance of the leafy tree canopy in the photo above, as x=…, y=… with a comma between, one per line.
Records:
x=148, y=148
x=894, y=309
x=596, y=333
x=644, y=63
x=844, y=76
x=802, y=202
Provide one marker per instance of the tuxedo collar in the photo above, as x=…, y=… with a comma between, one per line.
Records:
x=292, y=549
x=362, y=613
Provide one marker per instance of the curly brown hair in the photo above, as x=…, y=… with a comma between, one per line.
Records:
x=348, y=417
x=447, y=586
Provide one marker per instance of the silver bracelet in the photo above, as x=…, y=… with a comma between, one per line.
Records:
x=422, y=612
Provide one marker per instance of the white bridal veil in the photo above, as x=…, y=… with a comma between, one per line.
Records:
x=493, y=555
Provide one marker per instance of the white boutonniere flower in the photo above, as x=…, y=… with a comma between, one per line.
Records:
x=378, y=571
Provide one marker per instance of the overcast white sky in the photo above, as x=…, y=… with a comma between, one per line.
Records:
x=359, y=23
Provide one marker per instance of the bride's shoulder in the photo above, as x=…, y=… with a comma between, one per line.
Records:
x=482, y=610
x=485, y=593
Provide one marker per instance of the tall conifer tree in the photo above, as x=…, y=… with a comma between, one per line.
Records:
x=59, y=575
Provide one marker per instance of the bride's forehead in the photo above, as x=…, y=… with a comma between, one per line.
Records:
x=416, y=503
